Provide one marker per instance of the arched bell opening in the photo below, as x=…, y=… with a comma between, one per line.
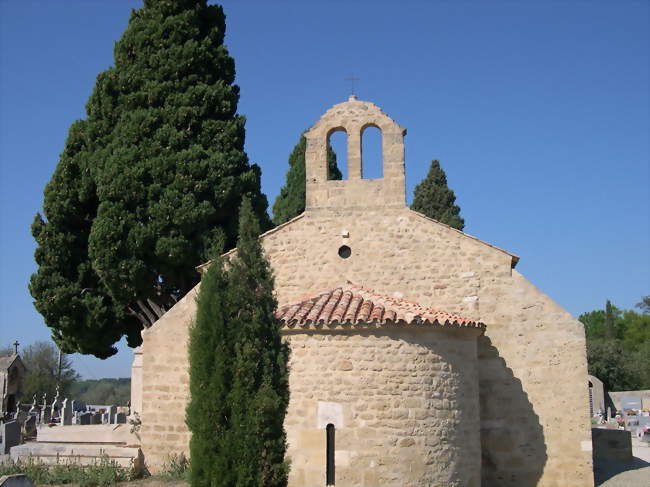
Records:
x=337, y=140
x=372, y=163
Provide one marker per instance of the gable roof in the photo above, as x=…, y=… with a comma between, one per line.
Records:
x=8, y=360
x=515, y=258
x=350, y=304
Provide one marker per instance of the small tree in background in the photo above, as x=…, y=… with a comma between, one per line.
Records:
x=433, y=198
x=291, y=200
x=610, y=324
x=42, y=362
x=618, y=347
x=238, y=372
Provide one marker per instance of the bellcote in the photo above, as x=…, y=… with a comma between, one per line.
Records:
x=352, y=117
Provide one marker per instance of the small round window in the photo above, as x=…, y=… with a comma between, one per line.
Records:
x=344, y=251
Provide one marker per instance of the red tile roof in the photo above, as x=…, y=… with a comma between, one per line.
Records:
x=354, y=305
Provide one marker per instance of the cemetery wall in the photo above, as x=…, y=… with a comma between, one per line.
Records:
x=533, y=373
x=642, y=397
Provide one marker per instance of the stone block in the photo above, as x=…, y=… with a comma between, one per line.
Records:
x=10, y=432
x=612, y=445
x=16, y=480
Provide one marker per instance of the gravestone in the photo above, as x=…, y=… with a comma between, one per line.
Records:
x=45, y=415
x=85, y=418
x=29, y=426
x=96, y=418
x=10, y=436
x=112, y=412
x=66, y=413
x=34, y=409
x=120, y=418
x=79, y=406
x=55, y=409
x=20, y=416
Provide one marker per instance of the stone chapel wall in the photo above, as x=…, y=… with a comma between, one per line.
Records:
x=533, y=363
x=532, y=360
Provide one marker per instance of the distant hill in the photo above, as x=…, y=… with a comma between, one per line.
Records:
x=102, y=391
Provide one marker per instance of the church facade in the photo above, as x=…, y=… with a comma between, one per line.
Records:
x=419, y=355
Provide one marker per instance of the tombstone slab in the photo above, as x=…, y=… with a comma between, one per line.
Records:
x=10, y=436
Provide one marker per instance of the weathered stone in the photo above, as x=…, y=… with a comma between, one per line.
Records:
x=10, y=433
x=530, y=364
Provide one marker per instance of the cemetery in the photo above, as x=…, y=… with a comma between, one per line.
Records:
x=63, y=430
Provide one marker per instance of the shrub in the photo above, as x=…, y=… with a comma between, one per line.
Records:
x=102, y=472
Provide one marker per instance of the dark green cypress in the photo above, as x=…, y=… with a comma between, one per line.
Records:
x=238, y=372
x=211, y=364
x=291, y=200
x=610, y=325
x=67, y=291
x=161, y=158
x=433, y=198
x=261, y=382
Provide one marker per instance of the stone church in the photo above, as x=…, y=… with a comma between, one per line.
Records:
x=420, y=356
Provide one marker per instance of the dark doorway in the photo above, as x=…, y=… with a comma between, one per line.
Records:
x=330, y=455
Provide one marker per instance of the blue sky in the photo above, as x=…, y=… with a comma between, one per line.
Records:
x=538, y=112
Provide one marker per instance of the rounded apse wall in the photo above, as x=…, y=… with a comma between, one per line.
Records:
x=388, y=406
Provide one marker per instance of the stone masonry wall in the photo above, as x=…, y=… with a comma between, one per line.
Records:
x=533, y=372
x=165, y=384
x=404, y=403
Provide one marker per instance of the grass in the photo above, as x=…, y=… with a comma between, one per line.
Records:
x=103, y=472
x=177, y=467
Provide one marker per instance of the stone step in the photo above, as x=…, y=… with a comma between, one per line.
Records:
x=78, y=453
x=91, y=433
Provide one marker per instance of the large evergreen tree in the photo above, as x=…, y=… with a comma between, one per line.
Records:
x=146, y=182
x=291, y=200
x=433, y=198
x=238, y=372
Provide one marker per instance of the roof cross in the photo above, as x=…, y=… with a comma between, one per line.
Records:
x=15, y=344
x=352, y=79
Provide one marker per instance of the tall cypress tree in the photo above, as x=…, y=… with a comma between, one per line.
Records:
x=211, y=363
x=291, y=200
x=238, y=372
x=610, y=325
x=147, y=181
x=433, y=198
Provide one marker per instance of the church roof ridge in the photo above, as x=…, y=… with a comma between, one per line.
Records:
x=353, y=304
x=515, y=258
x=202, y=267
x=6, y=361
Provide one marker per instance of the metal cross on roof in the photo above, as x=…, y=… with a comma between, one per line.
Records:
x=16, y=347
x=352, y=79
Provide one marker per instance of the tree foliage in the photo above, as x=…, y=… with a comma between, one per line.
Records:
x=147, y=183
x=102, y=391
x=238, y=371
x=618, y=347
x=291, y=200
x=433, y=198
x=42, y=362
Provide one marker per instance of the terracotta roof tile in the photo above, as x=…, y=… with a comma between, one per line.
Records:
x=353, y=305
